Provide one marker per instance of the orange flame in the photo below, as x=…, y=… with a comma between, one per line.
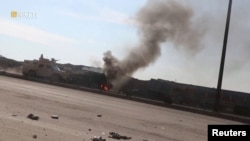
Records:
x=104, y=87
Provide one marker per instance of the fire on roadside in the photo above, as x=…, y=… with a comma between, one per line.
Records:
x=104, y=87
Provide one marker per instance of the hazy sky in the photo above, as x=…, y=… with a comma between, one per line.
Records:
x=80, y=31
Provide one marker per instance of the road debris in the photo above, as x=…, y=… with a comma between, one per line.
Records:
x=99, y=115
x=55, y=116
x=33, y=117
x=34, y=136
x=98, y=139
x=118, y=136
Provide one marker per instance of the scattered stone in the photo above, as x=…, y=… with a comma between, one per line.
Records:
x=144, y=140
x=89, y=129
x=55, y=116
x=14, y=115
x=33, y=117
x=36, y=118
x=99, y=115
x=30, y=116
x=34, y=136
x=114, y=135
x=98, y=139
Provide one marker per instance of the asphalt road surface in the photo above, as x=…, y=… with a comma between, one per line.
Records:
x=83, y=115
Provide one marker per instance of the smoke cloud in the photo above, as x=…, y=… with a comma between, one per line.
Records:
x=157, y=22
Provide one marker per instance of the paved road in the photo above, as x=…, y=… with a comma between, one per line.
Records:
x=78, y=120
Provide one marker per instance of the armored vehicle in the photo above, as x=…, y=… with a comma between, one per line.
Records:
x=44, y=68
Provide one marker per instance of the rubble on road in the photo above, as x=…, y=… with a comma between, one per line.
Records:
x=99, y=115
x=33, y=117
x=118, y=136
x=55, y=116
x=98, y=139
x=34, y=136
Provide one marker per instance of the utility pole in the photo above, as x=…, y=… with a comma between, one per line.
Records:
x=218, y=94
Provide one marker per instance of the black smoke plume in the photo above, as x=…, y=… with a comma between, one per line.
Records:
x=158, y=21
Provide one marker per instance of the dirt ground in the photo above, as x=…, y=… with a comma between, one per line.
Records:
x=83, y=115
